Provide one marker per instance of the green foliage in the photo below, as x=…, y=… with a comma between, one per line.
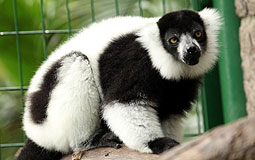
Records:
x=28, y=19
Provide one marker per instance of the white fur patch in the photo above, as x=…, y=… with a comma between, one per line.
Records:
x=73, y=109
x=135, y=124
x=172, y=127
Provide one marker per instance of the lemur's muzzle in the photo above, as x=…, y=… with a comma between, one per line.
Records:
x=192, y=55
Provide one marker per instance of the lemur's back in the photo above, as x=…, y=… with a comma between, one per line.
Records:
x=93, y=40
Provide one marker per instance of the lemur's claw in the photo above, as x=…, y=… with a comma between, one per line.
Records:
x=118, y=146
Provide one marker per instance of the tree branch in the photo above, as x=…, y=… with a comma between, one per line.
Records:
x=234, y=141
x=115, y=154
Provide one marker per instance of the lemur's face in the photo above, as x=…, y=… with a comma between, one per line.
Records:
x=183, y=35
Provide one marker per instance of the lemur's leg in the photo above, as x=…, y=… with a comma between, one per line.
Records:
x=172, y=127
x=138, y=126
x=62, y=104
x=82, y=101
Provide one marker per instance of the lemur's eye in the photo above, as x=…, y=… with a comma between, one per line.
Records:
x=173, y=40
x=198, y=34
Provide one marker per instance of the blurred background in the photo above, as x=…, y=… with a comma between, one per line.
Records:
x=24, y=45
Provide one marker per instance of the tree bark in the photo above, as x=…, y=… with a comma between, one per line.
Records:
x=245, y=9
x=235, y=141
x=115, y=154
x=247, y=43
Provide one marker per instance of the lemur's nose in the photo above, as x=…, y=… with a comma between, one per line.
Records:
x=192, y=55
x=193, y=51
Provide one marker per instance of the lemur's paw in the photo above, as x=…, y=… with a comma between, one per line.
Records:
x=160, y=145
x=109, y=139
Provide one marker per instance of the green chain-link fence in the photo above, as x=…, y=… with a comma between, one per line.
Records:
x=43, y=34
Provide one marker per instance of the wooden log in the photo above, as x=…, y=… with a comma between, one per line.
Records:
x=247, y=44
x=115, y=154
x=246, y=10
x=245, y=7
x=234, y=141
x=109, y=154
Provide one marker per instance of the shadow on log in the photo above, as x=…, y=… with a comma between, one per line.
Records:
x=235, y=141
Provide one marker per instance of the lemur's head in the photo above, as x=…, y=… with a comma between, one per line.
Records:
x=184, y=35
x=183, y=44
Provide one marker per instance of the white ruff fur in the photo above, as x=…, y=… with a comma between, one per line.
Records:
x=135, y=124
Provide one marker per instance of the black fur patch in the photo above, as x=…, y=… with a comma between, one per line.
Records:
x=32, y=151
x=105, y=138
x=182, y=21
x=102, y=137
x=127, y=75
x=40, y=99
x=160, y=145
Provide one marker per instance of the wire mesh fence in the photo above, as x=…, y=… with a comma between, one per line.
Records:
x=67, y=30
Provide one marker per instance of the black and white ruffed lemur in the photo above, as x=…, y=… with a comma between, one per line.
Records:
x=122, y=80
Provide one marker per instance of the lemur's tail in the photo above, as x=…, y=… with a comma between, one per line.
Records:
x=32, y=151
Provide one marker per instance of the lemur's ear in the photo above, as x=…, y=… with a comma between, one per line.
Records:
x=212, y=19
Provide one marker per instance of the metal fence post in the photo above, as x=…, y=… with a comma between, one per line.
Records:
x=230, y=63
